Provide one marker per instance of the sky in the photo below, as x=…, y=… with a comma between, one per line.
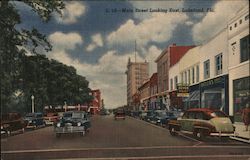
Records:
x=97, y=38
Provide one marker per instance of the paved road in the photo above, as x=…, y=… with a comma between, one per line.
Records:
x=128, y=139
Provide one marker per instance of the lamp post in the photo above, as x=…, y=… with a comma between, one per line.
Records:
x=32, y=104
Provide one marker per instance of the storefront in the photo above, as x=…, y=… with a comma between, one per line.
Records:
x=241, y=96
x=175, y=101
x=214, y=93
x=193, y=100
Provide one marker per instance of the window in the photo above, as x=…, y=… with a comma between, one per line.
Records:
x=197, y=73
x=218, y=64
x=235, y=25
x=240, y=21
x=175, y=82
x=171, y=84
x=230, y=28
x=193, y=75
x=244, y=49
x=188, y=76
x=206, y=69
x=185, y=77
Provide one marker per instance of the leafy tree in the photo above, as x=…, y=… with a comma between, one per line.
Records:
x=12, y=41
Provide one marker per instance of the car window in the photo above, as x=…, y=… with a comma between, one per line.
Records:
x=77, y=115
x=191, y=115
x=67, y=115
x=39, y=115
x=185, y=115
x=199, y=115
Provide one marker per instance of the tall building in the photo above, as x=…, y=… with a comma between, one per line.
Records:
x=137, y=73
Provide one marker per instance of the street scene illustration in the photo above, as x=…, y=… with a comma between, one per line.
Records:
x=116, y=80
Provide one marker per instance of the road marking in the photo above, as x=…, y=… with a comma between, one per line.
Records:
x=164, y=157
x=122, y=148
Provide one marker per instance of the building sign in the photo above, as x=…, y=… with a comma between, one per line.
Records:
x=211, y=82
x=182, y=90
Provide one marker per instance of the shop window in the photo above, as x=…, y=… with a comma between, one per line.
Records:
x=241, y=96
x=230, y=28
x=206, y=69
x=218, y=64
x=244, y=49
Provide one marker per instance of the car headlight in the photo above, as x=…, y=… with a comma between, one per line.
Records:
x=1, y=127
x=58, y=124
x=79, y=124
x=158, y=120
x=30, y=121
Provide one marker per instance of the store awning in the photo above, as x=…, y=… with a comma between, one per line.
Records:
x=194, y=96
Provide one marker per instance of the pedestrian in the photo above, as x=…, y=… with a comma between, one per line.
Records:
x=246, y=116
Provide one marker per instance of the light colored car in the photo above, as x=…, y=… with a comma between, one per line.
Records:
x=202, y=122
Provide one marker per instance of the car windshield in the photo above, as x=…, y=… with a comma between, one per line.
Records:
x=77, y=115
x=29, y=115
x=218, y=114
x=67, y=115
x=162, y=114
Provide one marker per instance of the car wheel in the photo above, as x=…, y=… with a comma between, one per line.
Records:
x=199, y=134
x=172, y=131
x=58, y=135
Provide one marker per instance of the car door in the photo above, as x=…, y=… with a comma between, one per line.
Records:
x=187, y=121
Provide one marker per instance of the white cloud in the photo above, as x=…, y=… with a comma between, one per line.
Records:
x=71, y=12
x=63, y=41
x=158, y=28
x=97, y=41
x=213, y=22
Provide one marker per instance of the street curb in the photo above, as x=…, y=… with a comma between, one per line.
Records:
x=240, y=139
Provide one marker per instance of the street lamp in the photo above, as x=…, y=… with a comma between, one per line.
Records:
x=32, y=102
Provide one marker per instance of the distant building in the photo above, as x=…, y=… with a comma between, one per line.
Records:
x=137, y=73
x=153, y=89
x=144, y=91
x=96, y=104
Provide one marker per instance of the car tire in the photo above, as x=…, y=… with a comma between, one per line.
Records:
x=172, y=131
x=199, y=134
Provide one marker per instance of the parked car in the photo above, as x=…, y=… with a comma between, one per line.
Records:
x=34, y=120
x=150, y=115
x=142, y=115
x=119, y=114
x=162, y=117
x=202, y=122
x=73, y=122
x=11, y=122
x=51, y=118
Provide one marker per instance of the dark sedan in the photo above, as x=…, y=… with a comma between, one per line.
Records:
x=34, y=120
x=162, y=117
x=73, y=122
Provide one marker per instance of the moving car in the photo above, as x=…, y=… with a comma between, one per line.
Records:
x=73, y=122
x=11, y=122
x=119, y=114
x=34, y=120
x=51, y=118
x=202, y=122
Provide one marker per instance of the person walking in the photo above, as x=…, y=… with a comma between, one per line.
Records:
x=246, y=116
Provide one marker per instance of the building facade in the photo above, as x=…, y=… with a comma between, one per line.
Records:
x=137, y=73
x=144, y=91
x=169, y=57
x=96, y=104
x=153, y=88
x=238, y=68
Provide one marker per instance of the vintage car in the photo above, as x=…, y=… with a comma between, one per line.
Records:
x=51, y=118
x=119, y=114
x=34, y=120
x=150, y=115
x=202, y=122
x=142, y=115
x=73, y=122
x=162, y=117
x=11, y=122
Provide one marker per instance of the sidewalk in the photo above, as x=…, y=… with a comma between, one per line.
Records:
x=241, y=134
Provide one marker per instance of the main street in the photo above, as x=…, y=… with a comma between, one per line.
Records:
x=121, y=139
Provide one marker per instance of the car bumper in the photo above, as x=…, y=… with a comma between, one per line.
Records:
x=222, y=134
x=47, y=122
x=70, y=129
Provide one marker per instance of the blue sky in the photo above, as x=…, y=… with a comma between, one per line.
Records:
x=98, y=43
